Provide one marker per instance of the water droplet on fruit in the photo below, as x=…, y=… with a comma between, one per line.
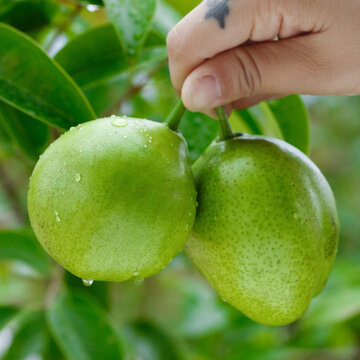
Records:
x=120, y=122
x=77, y=177
x=138, y=281
x=87, y=282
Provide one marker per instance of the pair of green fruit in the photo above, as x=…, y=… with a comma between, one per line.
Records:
x=116, y=199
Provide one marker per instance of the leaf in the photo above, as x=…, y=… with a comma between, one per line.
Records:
x=27, y=133
x=6, y=145
x=36, y=85
x=146, y=341
x=105, y=95
x=94, y=56
x=293, y=119
x=6, y=314
x=165, y=18
x=285, y=119
x=30, y=339
x=199, y=131
x=132, y=18
x=28, y=15
x=24, y=247
x=81, y=328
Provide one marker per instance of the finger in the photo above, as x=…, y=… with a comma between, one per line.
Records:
x=219, y=25
x=253, y=100
x=302, y=65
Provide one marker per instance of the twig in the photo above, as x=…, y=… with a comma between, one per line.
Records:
x=65, y=25
x=134, y=89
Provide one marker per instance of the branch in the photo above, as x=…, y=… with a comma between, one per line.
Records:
x=133, y=90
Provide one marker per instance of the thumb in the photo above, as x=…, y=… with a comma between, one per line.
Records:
x=297, y=65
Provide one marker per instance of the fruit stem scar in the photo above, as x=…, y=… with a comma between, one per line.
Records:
x=225, y=131
x=175, y=116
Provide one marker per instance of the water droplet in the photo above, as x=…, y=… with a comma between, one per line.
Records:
x=87, y=282
x=81, y=128
x=57, y=218
x=124, y=136
x=150, y=141
x=77, y=177
x=56, y=213
x=120, y=122
x=145, y=146
x=138, y=281
x=136, y=273
x=296, y=216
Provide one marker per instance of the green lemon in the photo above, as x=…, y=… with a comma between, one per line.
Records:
x=113, y=199
x=266, y=231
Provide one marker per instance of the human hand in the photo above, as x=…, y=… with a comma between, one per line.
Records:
x=222, y=52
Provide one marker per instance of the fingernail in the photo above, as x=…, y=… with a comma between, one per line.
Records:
x=205, y=91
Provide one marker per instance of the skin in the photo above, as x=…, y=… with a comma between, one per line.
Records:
x=266, y=231
x=113, y=202
x=222, y=52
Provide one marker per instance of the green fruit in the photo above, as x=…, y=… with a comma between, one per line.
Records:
x=266, y=230
x=114, y=198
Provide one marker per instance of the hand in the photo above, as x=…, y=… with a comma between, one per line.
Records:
x=223, y=53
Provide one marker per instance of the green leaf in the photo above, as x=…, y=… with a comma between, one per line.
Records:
x=29, y=134
x=165, y=18
x=105, y=95
x=144, y=340
x=30, y=339
x=6, y=145
x=36, y=85
x=28, y=15
x=94, y=56
x=286, y=119
x=24, y=247
x=81, y=328
x=6, y=314
x=199, y=131
x=293, y=120
x=133, y=19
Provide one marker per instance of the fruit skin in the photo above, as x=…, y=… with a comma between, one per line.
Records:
x=266, y=230
x=113, y=202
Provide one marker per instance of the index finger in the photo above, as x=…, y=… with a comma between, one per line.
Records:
x=219, y=25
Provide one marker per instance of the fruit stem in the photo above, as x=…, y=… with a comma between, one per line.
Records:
x=175, y=116
x=225, y=131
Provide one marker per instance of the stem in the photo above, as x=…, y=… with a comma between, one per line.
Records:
x=225, y=131
x=175, y=116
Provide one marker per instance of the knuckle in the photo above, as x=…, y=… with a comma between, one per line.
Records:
x=174, y=42
x=248, y=79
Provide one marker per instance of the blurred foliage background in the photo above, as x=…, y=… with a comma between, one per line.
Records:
x=46, y=313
